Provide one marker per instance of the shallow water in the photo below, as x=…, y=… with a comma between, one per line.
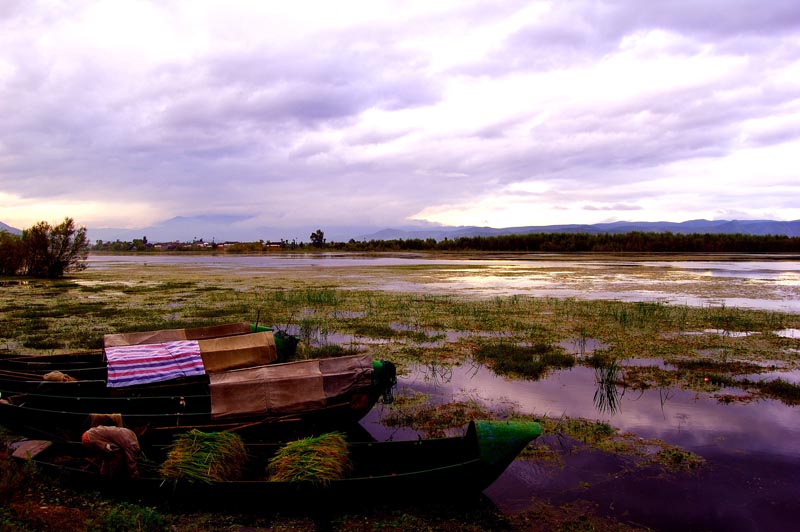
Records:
x=732, y=493
x=752, y=478
x=694, y=420
x=751, y=481
x=747, y=281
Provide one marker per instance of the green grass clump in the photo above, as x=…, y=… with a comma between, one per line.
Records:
x=374, y=330
x=317, y=459
x=514, y=360
x=205, y=457
x=782, y=390
x=42, y=342
x=677, y=459
x=716, y=366
x=591, y=432
x=416, y=413
x=330, y=351
x=124, y=517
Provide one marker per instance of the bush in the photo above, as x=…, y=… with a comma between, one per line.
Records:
x=12, y=254
x=52, y=251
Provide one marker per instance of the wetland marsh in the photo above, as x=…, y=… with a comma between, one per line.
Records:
x=668, y=386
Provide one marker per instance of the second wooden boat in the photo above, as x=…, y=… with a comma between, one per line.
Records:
x=382, y=472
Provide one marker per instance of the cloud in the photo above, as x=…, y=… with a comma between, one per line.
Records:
x=381, y=112
x=614, y=207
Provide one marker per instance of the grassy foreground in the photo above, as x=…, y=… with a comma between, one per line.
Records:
x=702, y=347
x=698, y=348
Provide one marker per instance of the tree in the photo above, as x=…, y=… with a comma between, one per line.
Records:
x=12, y=256
x=52, y=251
x=318, y=238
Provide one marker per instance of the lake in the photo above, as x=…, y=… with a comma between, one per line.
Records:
x=764, y=282
x=751, y=481
x=752, y=478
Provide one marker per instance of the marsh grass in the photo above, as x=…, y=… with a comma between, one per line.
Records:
x=645, y=377
x=42, y=342
x=597, y=435
x=521, y=361
x=433, y=420
x=329, y=351
x=607, y=395
x=708, y=375
x=583, y=430
x=780, y=389
x=373, y=330
x=677, y=459
x=44, y=317
x=718, y=366
x=303, y=297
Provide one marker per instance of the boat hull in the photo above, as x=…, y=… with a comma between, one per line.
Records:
x=384, y=472
x=317, y=393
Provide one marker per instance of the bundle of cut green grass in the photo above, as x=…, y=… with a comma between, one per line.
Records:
x=317, y=459
x=205, y=457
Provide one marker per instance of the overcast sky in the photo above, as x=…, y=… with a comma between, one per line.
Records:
x=499, y=113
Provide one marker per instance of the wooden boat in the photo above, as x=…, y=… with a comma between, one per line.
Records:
x=321, y=392
x=98, y=387
x=15, y=361
x=83, y=363
x=215, y=349
x=419, y=470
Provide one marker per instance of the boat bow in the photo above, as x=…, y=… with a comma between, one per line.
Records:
x=499, y=442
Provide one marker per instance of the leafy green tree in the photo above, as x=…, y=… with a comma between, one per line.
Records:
x=12, y=255
x=318, y=238
x=52, y=251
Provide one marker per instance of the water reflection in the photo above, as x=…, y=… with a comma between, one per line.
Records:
x=746, y=281
x=691, y=419
x=607, y=395
x=436, y=374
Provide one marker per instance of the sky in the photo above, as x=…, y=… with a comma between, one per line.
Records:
x=271, y=116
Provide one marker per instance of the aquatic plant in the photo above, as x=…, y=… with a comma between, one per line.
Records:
x=677, y=459
x=433, y=420
x=607, y=396
x=780, y=389
x=515, y=360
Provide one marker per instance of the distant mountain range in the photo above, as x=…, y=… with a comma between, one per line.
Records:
x=222, y=228
x=8, y=228
x=749, y=227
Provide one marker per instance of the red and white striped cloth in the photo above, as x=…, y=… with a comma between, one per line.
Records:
x=141, y=364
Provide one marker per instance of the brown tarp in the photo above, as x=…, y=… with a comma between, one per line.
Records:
x=288, y=388
x=232, y=352
x=174, y=335
x=224, y=353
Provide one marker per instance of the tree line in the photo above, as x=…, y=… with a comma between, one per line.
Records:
x=632, y=242
x=44, y=250
x=51, y=251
